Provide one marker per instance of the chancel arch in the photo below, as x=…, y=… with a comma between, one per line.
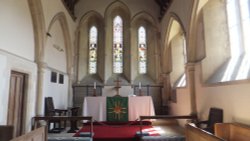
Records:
x=58, y=47
x=149, y=24
x=40, y=39
x=89, y=20
x=113, y=10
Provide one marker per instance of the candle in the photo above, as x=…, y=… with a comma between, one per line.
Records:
x=139, y=85
x=94, y=85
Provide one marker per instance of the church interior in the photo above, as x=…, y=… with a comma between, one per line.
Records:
x=175, y=59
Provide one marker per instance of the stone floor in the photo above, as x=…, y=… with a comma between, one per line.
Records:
x=166, y=127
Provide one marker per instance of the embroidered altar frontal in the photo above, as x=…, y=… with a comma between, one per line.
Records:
x=117, y=109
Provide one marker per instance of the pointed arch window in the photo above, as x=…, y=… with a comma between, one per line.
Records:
x=142, y=50
x=93, y=33
x=117, y=45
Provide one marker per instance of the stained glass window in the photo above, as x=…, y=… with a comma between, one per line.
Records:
x=117, y=45
x=92, y=50
x=142, y=50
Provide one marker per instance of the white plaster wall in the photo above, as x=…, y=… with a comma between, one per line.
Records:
x=111, y=91
x=232, y=98
x=12, y=62
x=55, y=52
x=182, y=106
x=134, y=6
x=57, y=61
x=16, y=32
x=59, y=92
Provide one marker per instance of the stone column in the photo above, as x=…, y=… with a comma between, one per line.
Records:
x=190, y=72
x=40, y=93
x=166, y=88
x=70, y=90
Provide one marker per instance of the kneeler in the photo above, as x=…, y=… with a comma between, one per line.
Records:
x=117, y=109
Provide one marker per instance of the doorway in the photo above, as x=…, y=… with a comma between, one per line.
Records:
x=16, y=107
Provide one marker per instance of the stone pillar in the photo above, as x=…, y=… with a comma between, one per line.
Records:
x=190, y=72
x=40, y=82
x=166, y=88
x=70, y=90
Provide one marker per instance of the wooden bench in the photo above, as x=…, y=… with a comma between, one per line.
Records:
x=39, y=134
x=193, y=133
x=232, y=131
x=6, y=132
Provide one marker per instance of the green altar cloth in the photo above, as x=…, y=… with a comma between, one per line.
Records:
x=117, y=109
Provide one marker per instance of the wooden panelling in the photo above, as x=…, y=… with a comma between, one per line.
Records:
x=194, y=133
x=232, y=131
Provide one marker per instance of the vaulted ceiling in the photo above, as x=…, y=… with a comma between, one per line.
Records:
x=163, y=6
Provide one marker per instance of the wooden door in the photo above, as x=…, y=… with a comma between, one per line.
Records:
x=16, y=102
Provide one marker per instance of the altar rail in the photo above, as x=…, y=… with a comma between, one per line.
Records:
x=155, y=91
x=72, y=119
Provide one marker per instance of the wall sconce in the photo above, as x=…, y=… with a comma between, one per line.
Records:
x=57, y=47
x=48, y=34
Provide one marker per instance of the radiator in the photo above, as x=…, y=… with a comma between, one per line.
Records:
x=163, y=138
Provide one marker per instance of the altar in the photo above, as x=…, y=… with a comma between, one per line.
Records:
x=137, y=106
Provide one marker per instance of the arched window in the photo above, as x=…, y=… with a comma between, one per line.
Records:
x=117, y=45
x=93, y=50
x=239, y=32
x=182, y=80
x=142, y=50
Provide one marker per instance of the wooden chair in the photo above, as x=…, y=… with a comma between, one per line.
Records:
x=51, y=111
x=6, y=132
x=215, y=116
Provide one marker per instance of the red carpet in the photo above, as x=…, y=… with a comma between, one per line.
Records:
x=116, y=133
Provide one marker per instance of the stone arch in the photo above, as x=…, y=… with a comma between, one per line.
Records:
x=61, y=18
x=146, y=20
x=192, y=32
x=175, y=26
x=36, y=11
x=117, y=8
x=87, y=20
x=67, y=41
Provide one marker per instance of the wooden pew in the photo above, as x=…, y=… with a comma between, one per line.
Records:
x=6, y=132
x=232, y=131
x=194, y=133
x=39, y=134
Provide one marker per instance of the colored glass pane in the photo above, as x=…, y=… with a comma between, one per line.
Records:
x=117, y=45
x=142, y=50
x=93, y=50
